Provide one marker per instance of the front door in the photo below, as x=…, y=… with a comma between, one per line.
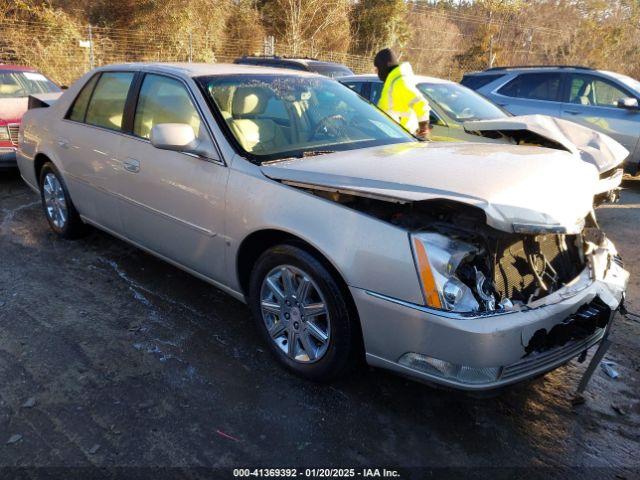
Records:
x=173, y=202
x=592, y=102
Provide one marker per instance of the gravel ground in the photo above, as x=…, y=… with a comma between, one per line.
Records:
x=110, y=357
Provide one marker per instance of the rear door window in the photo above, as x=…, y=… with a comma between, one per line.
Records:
x=106, y=107
x=534, y=86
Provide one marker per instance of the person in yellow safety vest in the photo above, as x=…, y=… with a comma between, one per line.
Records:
x=400, y=98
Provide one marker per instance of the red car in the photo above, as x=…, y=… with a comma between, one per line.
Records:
x=16, y=84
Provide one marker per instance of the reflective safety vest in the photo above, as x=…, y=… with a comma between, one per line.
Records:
x=401, y=100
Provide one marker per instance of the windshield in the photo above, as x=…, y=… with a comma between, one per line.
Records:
x=23, y=84
x=329, y=70
x=460, y=103
x=281, y=116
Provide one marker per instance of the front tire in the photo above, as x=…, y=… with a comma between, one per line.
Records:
x=302, y=314
x=62, y=216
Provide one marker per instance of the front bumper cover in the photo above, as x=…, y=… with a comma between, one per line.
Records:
x=505, y=342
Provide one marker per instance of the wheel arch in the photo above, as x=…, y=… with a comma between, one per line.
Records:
x=38, y=162
x=258, y=242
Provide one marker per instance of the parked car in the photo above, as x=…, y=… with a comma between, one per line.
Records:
x=604, y=101
x=328, y=69
x=451, y=105
x=344, y=234
x=460, y=114
x=16, y=84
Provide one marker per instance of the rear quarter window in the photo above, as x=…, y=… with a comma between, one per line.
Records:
x=474, y=82
x=79, y=107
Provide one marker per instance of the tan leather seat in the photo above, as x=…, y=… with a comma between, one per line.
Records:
x=255, y=134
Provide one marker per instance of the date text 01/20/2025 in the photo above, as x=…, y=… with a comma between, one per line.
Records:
x=316, y=472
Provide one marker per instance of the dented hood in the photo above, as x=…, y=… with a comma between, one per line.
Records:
x=591, y=146
x=520, y=188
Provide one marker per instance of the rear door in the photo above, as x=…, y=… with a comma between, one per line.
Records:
x=592, y=100
x=530, y=93
x=88, y=141
x=173, y=202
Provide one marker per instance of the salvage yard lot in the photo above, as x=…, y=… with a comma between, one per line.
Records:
x=109, y=356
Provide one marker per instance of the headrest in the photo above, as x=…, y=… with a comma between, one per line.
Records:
x=250, y=100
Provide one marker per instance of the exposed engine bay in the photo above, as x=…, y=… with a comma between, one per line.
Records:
x=503, y=270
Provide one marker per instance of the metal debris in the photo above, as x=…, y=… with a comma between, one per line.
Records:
x=93, y=450
x=14, y=439
x=29, y=403
x=609, y=369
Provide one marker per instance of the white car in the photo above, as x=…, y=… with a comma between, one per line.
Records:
x=446, y=262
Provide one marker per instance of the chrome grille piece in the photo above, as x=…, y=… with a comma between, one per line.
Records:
x=13, y=132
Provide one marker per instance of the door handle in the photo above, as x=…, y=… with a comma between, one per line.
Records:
x=131, y=165
x=63, y=143
x=572, y=112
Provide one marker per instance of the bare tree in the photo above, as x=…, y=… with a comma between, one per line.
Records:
x=310, y=25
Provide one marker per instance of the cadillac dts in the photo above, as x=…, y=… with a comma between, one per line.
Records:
x=347, y=237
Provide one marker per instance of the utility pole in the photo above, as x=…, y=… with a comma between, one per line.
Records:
x=491, y=56
x=190, y=47
x=91, y=57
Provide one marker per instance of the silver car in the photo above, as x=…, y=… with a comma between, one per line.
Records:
x=347, y=237
x=604, y=101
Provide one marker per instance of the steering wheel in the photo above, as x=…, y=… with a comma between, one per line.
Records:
x=329, y=126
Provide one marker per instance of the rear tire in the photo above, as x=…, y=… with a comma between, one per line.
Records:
x=58, y=208
x=308, y=325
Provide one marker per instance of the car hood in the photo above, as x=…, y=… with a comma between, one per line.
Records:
x=520, y=188
x=589, y=145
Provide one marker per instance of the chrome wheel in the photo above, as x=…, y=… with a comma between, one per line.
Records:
x=295, y=314
x=54, y=200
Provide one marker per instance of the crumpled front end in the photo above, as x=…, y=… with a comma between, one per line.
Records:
x=591, y=146
x=521, y=331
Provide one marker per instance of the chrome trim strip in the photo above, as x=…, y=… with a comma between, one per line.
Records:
x=440, y=313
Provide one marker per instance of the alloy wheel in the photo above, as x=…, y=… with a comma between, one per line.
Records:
x=295, y=314
x=55, y=201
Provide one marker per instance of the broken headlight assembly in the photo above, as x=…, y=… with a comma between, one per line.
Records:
x=449, y=274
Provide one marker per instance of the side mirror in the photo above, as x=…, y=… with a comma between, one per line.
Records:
x=629, y=103
x=178, y=137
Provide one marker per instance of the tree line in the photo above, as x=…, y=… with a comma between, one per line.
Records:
x=441, y=37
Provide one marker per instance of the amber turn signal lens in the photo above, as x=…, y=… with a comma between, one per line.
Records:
x=426, y=276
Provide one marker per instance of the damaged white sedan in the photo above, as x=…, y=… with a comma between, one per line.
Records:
x=449, y=263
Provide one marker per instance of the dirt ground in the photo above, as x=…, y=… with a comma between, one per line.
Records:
x=110, y=357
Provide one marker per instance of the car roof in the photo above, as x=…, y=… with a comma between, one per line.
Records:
x=300, y=60
x=205, y=69
x=532, y=69
x=19, y=68
x=370, y=77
